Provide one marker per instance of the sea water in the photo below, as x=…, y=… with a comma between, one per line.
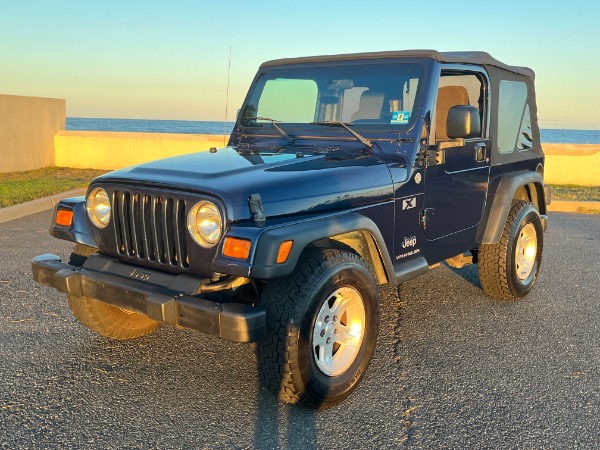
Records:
x=555, y=136
x=149, y=126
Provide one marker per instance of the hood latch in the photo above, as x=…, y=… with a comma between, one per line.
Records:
x=256, y=208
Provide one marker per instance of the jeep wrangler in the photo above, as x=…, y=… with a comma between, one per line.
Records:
x=342, y=173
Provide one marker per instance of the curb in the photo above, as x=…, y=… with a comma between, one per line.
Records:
x=35, y=206
x=573, y=207
x=43, y=204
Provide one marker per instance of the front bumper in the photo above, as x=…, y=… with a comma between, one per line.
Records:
x=167, y=298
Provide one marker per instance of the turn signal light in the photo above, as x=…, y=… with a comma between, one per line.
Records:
x=64, y=217
x=236, y=248
x=284, y=251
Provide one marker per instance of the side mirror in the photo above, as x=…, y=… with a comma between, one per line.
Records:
x=463, y=122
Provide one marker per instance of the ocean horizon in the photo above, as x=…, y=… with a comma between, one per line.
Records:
x=548, y=135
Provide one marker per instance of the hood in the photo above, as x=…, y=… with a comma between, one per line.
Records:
x=289, y=183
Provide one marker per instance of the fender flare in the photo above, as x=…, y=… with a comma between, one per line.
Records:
x=304, y=233
x=79, y=231
x=490, y=231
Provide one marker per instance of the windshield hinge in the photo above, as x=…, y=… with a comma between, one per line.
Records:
x=256, y=208
x=426, y=156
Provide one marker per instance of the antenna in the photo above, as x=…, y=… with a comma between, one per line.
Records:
x=226, y=99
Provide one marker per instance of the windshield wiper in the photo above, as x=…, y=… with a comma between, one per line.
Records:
x=290, y=139
x=337, y=123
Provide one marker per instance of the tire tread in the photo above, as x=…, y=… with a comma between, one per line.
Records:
x=104, y=319
x=285, y=300
x=492, y=258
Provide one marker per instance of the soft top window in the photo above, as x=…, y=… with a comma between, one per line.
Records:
x=514, y=119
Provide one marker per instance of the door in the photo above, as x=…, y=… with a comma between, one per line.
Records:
x=455, y=186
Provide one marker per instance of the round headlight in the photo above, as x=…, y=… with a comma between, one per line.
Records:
x=205, y=223
x=98, y=207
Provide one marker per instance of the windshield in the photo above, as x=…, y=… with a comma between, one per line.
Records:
x=366, y=95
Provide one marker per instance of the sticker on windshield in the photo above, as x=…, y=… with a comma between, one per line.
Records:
x=400, y=117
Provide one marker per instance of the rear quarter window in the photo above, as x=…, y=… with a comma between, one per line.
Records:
x=514, y=118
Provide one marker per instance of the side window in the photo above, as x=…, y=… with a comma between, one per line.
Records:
x=288, y=100
x=514, y=119
x=454, y=90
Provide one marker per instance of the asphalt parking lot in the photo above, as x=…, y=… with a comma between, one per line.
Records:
x=453, y=368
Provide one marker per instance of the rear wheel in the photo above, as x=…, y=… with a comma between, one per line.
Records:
x=322, y=325
x=508, y=269
x=103, y=319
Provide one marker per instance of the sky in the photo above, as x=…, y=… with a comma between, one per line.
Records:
x=169, y=59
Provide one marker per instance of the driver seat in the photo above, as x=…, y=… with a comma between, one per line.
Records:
x=448, y=97
x=369, y=106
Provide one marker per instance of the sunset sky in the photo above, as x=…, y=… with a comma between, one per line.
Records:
x=168, y=60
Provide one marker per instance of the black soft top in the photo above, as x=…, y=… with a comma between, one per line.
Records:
x=480, y=58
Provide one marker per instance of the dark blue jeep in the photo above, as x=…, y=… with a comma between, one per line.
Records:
x=342, y=173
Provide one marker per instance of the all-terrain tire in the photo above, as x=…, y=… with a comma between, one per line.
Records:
x=101, y=318
x=80, y=254
x=500, y=275
x=287, y=356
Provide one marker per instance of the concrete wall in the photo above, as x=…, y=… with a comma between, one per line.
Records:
x=114, y=150
x=32, y=136
x=27, y=129
x=572, y=164
x=565, y=164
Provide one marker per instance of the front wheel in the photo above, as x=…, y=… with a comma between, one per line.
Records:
x=110, y=321
x=322, y=326
x=508, y=269
x=103, y=319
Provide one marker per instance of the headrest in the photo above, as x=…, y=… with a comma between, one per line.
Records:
x=370, y=106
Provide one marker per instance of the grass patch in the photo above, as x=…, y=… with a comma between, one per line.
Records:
x=19, y=187
x=576, y=193
x=583, y=210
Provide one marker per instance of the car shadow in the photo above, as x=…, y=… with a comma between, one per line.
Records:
x=279, y=425
x=468, y=273
x=181, y=389
x=180, y=381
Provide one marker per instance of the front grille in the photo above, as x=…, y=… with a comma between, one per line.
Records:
x=151, y=229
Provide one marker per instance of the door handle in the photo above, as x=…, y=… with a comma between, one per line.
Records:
x=480, y=152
